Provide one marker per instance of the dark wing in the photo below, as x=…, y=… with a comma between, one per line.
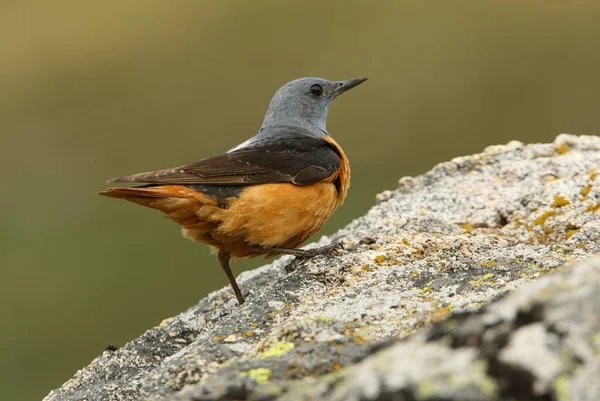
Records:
x=301, y=161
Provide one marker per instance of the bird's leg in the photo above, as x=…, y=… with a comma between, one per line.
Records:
x=224, y=258
x=299, y=253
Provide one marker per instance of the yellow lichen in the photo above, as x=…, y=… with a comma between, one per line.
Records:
x=441, y=314
x=562, y=387
x=586, y=190
x=570, y=233
x=542, y=219
x=548, y=230
x=357, y=337
x=593, y=208
x=483, y=280
x=562, y=149
x=560, y=201
x=261, y=375
x=278, y=349
x=467, y=227
x=321, y=318
x=380, y=259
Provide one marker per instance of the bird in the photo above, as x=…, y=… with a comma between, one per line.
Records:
x=265, y=196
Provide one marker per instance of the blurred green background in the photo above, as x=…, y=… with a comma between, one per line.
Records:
x=92, y=90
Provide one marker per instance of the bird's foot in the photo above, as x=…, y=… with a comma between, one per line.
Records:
x=300, y=253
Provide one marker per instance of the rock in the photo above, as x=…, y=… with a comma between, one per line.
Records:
x=541, y=342
x=397, y=313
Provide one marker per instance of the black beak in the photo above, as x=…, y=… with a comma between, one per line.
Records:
x=343, y=86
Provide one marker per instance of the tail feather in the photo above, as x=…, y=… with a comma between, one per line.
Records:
x=149, y=193
x=180, y=203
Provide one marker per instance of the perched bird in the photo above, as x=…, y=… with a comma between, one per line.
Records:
x=265, y=196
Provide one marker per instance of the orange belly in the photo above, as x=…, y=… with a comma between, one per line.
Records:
x=269, y=215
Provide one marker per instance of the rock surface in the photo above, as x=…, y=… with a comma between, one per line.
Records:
x=397, y=313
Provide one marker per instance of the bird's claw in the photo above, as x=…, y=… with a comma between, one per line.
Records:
x=301, y=253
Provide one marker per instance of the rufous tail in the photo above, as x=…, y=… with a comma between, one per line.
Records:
x=180, y=203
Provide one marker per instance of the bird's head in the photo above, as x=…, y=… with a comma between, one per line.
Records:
x=305, y=102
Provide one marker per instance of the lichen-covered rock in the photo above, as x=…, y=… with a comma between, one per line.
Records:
x=541, y=342
x=443, y=244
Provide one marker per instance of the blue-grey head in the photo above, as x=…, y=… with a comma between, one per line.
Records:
x=305, y=102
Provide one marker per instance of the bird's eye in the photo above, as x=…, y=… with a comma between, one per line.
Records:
x=316, y=90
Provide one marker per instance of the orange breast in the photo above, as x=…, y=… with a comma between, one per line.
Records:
x=277, y=215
